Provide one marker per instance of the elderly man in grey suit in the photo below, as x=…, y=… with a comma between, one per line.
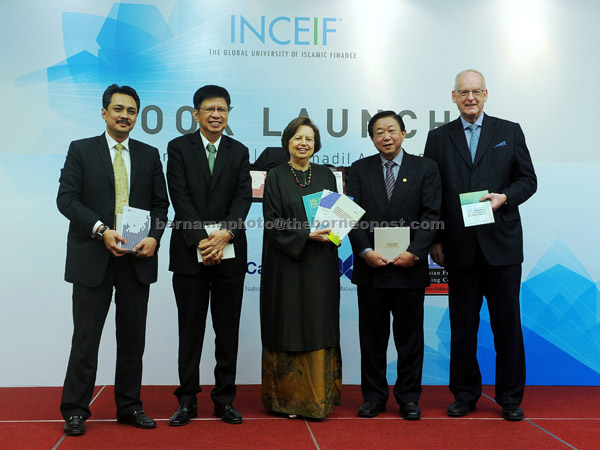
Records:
x=477, y=152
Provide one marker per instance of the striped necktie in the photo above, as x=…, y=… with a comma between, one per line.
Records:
x=211, y=156
x=121, y=187
x=475, y=130
x=390, y=181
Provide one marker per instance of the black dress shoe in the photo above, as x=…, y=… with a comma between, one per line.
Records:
x=460, y=408
x=370, y=409
x=138, y=419
x=74, y=426
x=512, y=412
x=184, y=414
x=410, y=411
x=228, y=414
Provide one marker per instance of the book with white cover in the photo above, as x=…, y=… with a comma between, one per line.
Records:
x=474, y=211
x=228, y=250
x=134, y=225
x=338, y=212
x=391, y=241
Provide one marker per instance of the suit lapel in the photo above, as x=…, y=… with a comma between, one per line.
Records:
x=134, y=158
x=377, y=184
x=104, y=155
x=199, y=153
x=406, y=176
x=488, y=129
x=223, y=153
x=457, y=135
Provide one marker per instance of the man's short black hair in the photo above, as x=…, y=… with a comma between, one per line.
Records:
x=116, y=89
x=381, y=115
x=211, y=91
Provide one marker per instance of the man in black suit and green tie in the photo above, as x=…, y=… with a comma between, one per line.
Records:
x=208, y=175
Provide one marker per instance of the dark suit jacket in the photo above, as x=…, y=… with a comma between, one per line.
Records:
x=199, y=197
x=416, y=199
x=502, y=165
x=87, y=194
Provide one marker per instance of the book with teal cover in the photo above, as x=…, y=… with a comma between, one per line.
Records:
x=311, y=204
x=471, y=197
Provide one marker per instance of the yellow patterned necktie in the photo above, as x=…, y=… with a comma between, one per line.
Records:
x=121, y=187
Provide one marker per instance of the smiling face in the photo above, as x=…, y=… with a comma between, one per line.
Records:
x=120, y=116
x=388, y=137
x=302, y=146
x=212, y=117
x=470, y=105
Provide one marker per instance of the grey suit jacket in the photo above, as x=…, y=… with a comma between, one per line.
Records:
x=502, y=165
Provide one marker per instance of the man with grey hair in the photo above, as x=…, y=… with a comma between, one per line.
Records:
x=477, y=152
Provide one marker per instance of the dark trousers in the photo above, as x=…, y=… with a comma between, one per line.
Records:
x=90, y=307
x=192, y=293
x=406, y=307
x=500, y=285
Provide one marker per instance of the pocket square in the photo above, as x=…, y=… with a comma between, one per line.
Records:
x=501, y=144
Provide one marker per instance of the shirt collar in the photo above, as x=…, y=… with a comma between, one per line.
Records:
x=112, y=142
x=397, y=159
x=205, y=141
x=478, y=122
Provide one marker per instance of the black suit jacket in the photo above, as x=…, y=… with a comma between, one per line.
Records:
x=502, y=165
x=87, y=194
x=416, y=200
x=199, y=198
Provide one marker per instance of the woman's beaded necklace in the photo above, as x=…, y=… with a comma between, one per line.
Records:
x=296, y=176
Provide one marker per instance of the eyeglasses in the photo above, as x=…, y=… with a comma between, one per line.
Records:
x=218, y=109
x=465, y=93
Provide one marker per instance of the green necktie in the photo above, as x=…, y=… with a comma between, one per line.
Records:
x=121, y=188
x=211, y=156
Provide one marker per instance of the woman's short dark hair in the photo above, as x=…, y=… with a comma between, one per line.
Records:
x=293, y=126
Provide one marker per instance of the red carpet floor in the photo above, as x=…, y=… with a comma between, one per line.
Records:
x=556, y=418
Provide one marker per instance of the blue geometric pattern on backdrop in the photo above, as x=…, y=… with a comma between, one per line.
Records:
x=346, y=266
x=560, y=311
x=123, y=48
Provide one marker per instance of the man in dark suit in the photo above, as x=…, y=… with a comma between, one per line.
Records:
x=399, y=190
x=100, y=176
x=478, y=152
x=208, y=175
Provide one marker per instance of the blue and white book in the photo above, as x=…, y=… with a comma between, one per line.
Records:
x=338, y=212
x=133, y=225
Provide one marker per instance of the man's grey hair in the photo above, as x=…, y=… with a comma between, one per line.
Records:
x=460, y=74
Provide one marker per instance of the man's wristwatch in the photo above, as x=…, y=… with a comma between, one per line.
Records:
x=101, y=231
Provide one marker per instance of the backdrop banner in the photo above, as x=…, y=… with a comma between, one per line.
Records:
x=339, y=62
